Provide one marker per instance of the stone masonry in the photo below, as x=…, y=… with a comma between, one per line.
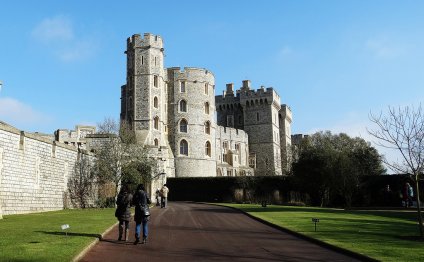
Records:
x=34, y=171
x=172, y=111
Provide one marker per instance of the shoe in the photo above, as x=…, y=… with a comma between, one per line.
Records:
x=144, y=241
x=137, y=240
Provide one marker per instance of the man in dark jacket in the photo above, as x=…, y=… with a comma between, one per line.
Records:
x=123, y=211
x=141, y=202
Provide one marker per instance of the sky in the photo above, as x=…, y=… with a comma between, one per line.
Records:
x=333, y=62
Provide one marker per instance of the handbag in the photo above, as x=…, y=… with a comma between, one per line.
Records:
x=146, y=211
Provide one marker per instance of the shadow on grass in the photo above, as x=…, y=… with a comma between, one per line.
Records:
x=71, y=234
x=389, y=214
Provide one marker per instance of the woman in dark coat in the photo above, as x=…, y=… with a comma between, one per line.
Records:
x=123, y=211
x=141, y=202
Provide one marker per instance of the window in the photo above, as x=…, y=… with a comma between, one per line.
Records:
x=183, y=126
x=155, y=60
x=183, y=148
x=156, y=142
x=240, y=120
x=257, y=116
x=156, y=123
x=206, y=89
x=225, y=145
x=237, y=147
x=142, y=60
x=207, y=108
x=155, y=81
x=252, y=162
x=207, y=127
x=155, y=102
x=208, y=148
x=230, y=120
x=182, y=88
x=183, y=106
x=229, y=173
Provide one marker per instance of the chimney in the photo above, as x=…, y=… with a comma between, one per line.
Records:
x=230, y=88
x=246, y=84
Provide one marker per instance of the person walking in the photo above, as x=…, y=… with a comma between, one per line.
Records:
x=164, y=199
x=141, y=202
x=410, y=195
x=123, y=211
x=158, y=196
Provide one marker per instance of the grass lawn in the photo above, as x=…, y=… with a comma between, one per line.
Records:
x=383, y=235
x=39, y=237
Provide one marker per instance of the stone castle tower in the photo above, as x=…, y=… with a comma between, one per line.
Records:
x=172, y=112
x=261, y=116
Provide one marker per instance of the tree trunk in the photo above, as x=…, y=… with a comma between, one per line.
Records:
x=420, y=219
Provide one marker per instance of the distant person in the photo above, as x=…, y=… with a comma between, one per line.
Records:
x=387, y=195
x=164, y=196
x=123, y=211
x=141, y=202
x=158, y=196
x=408, y=194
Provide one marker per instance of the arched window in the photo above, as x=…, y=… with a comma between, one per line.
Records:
x=156, y=142
x=183, y=106
x=182, y=87
x=207, y=108
x=155, y=81
x=183, y=126
x=155, y=102
x=208, y=148
x=257, y=116
x=207, y=127
x=206, y=89
x=183, y=148
x=156, y=123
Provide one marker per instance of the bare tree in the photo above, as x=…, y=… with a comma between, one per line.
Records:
x=402, y=129
x=81, y=183
x=119, y=155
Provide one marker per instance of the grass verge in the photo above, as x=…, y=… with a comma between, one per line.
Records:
x=38, y=237
x=383, y=235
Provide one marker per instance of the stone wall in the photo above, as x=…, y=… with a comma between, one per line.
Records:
x=33, y=171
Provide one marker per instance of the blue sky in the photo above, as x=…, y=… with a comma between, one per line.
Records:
x=332, y=62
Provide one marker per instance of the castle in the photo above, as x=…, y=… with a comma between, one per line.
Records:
x=176, y=114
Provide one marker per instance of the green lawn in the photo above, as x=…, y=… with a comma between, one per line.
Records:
x=383, y=235
x=38, y=237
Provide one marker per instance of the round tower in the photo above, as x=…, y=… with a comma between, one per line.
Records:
x=191, y=121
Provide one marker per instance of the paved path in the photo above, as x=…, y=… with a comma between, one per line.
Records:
x=199, y=232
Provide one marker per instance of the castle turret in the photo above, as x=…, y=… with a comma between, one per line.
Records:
x=144, y=95
x=191, y=121
x=285, y=120
x=256, y=112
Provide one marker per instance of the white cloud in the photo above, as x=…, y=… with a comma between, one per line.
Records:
x=58, y=28
x=17, y=113
x=384, y=48
x=285, y=51
x=78, y=51
x=58, y=36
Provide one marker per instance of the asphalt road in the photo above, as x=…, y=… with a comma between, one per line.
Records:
x=199, y=232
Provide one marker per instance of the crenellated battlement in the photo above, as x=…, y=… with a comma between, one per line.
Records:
x=189, y=72
x=245, y=94
x=148, y=40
